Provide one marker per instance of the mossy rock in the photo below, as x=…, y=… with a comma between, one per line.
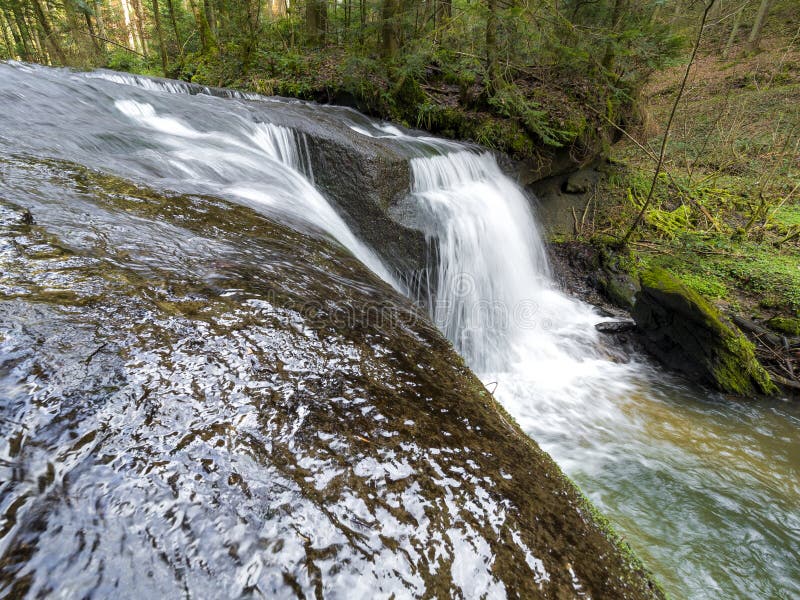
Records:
x=620, y=289
x=785, y=325
x=688, y=334
x=618, y=278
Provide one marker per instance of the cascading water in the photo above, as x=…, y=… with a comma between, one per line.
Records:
x=493, y=295
x=264, y=167
x=706, y=490
x=637, y=440
x=237, y=155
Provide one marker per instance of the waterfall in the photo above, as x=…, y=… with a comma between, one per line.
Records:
x=261, y=164
x=705, y=488
x=170, y=86
x=493, y=296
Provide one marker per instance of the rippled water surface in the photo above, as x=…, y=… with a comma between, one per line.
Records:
x=191, y=404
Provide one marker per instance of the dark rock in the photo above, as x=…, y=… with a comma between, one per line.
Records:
x=688, y=334
x=553, y=163
x=615, y=327
x=577, y=183
x=619, y=288
x=27, y=218
x=364, y=179
x=563, y=197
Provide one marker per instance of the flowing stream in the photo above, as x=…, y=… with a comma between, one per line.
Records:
x=706, y=490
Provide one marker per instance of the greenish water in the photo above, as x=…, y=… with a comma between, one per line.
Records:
x=705, y=489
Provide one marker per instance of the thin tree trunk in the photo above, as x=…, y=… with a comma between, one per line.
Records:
x=614, y=30
x=50, y=37
x=492, y=66
x=162, y=46
x=737, y=20
x=98, y=17
x=11, y=49
x=19, y=33
x=174, y=21
x=362, y=14
x=90, y=28
x=716, y=12
x=389, y=39
x=35, y=36
x=202, y=24
x=126, y=15
x=754, y=39
x=447, y=9
x=208, y=11
x=316, y=17
x=37, y=39
x=137, y=7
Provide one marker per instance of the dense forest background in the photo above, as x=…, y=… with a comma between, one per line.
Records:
x=513, y=74
x=518, y=75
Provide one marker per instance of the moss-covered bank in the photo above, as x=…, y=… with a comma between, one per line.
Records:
x=689, y=334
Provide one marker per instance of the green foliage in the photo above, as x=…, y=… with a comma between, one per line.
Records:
x=785, y=325
x=508, y=101
x=123, y=60
x=706, y=285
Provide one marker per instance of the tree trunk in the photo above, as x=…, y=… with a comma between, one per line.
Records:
x=50, y=38
x=492, y=65
x=206, y=38
x=126, y=15
x=137, y=7
x=211, y=18
x=389, y=37
x=98, y=17
x=446, y=10
x=362, y=18
x=174, y=21
x=19, y=31
x=716, y=11
x=37, y=38
x=614, y=31
x=162, y=46
x=277, y=8
x=316, y=17
x=90, y=28
x=737, y=20
x=754, y=40
x=11, y=48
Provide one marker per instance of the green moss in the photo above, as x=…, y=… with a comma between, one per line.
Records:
x=708, y=286
x=787, y=325
x=727, y=354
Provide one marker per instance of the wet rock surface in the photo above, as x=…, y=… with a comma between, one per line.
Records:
x=366, y=180
x=562, y=198
x=201, y=402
